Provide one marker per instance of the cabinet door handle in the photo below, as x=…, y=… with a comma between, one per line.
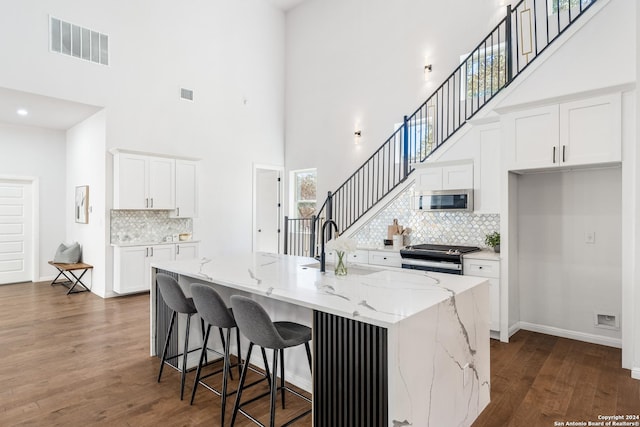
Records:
x=563, y=151
x=178, y=211
x=151, y=251
x=177, y=249
x=146, y=252
x=554, y=154
x=152, y=202
x=146, y=203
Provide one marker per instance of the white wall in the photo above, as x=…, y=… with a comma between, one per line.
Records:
x=632, y=292
x=357, y=61
x=230, y=53
x=86, y=166
x=562, y=279
x=39, y=153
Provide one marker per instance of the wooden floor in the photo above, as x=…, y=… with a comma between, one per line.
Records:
x=78, y=360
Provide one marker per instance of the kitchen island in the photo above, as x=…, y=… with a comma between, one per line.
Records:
x=391, y=347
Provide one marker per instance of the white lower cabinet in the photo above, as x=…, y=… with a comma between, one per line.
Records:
x=386, y=258
x=132, y=264
x=489, y=269
x=360, y=256
x=186, y=250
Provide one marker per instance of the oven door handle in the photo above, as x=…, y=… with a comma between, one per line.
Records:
x=437, y=264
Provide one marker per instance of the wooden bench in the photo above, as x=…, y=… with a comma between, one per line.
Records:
x=74, y=280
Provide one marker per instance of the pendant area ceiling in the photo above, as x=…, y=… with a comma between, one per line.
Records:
x=42, y=111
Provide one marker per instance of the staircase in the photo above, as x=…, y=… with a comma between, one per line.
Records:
x=525, y=32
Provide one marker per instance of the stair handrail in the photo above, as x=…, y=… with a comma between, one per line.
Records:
x=353, y=198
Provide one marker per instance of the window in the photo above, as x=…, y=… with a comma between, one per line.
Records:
x=485, y=72
x=563, y=5
x=304, y=193
x=420, y=133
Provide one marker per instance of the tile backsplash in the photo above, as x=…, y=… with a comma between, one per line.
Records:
x=130, y=226
x=462, y=228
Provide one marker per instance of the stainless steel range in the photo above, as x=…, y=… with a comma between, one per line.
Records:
x=440, y=258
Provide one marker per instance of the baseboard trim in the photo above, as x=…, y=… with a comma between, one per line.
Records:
x=514, y=328
x=574, y=335
x=635, y=373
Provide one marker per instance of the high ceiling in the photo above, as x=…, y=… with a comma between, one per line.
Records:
x=58, y=114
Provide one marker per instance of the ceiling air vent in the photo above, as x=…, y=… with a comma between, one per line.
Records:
x=79, y=42
x=186, y=94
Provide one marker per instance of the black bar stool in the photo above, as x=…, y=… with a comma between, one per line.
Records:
x=178, y=303
x=214, y=311
x=255, y=324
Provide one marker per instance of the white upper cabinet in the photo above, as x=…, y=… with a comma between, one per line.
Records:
x=444, y=176
x=186, y=189
x=591, y=131
x=161, y=183
x=129, y=188
x=532, y=137
x=143, y=182
x=584, y=132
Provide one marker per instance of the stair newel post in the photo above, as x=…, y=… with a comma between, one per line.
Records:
x=286, y=235
x=508, y=41
x=405, y=147
x=312, y=237
x=329, y=208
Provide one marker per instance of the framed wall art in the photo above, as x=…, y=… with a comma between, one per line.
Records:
x=81, y=211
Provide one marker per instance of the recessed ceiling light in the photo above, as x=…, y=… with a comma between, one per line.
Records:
x=22, y=112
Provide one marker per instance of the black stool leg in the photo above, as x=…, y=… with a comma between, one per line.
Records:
x=202, y=357
x=274, y=389
x=266, y=366
x=306, y=347
x=282, y=375
x=245, y=368
x=166, y=344
x=225, y=344
x=184, y=357
x=225, y=376
x=202, y=330
x=239, y=351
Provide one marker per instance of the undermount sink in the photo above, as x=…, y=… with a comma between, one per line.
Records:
x=351, y=269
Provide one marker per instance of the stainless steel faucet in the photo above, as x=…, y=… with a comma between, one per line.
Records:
x=323, y=237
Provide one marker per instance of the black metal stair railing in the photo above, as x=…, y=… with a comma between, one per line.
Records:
x=520, y=37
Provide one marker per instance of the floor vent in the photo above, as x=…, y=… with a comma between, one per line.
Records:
x=79, y=42
x=606, y=320
x=186, y=94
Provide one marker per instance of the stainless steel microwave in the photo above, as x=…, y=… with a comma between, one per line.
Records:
x=444, y=200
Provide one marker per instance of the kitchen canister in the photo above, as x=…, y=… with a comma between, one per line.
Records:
x=398, y=240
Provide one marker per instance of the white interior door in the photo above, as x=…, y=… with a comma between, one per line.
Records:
x=16, y=210
x=267, y=210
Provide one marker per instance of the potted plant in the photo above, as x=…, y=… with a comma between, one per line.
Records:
x=493, y=240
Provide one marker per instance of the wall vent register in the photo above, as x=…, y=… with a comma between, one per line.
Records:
x=79, y=42
x=186, y=94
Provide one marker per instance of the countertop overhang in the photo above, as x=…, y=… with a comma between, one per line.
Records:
x=382, y=297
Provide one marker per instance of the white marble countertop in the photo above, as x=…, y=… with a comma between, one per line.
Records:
x=372, y=295
x=486, y=254
x=386, y=248
x=149, y=243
